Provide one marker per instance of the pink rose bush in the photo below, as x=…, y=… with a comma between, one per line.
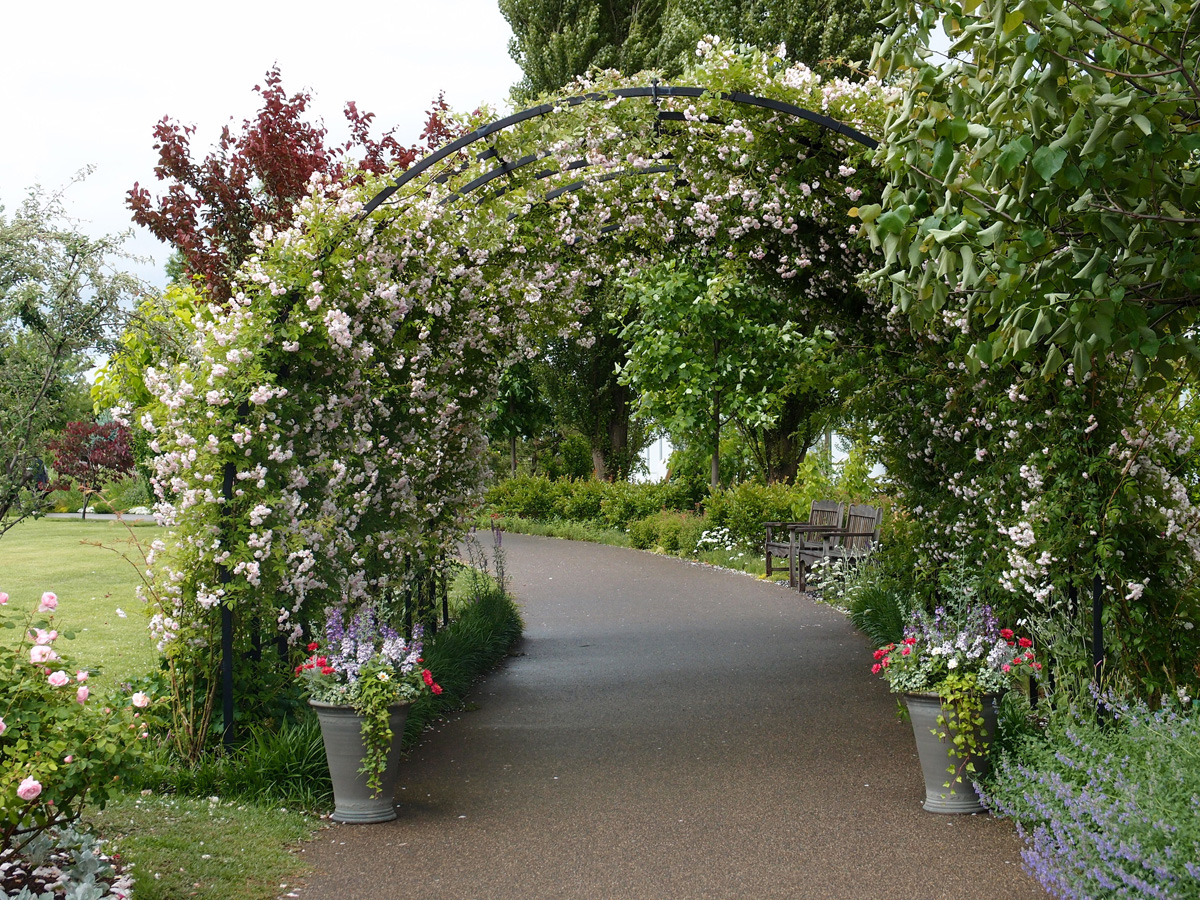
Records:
x=59, y=748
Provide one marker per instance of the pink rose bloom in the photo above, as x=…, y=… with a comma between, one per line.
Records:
x=81, y=694
x=44, y=637
x=140, y=700
x=40, y=653
x=3, y=599
x=59, y=678
x=3, y=727
x=68, y=759
x=81, y=675
x=49, y=602
x=29, y=788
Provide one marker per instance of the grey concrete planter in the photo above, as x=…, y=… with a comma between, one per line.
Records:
x=937, y=760
x=341, y=731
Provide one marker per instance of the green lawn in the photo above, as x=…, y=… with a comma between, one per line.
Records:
x=91, y=582
x=183, y=847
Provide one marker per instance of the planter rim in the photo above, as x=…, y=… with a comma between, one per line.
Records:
x=322, y=704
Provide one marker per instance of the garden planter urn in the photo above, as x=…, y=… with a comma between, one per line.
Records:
x=341, y=732
x=937, y=758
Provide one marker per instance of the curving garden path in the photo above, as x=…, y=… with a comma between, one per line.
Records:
x=668, y=732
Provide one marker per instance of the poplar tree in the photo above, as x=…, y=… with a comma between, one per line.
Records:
x=557, y=40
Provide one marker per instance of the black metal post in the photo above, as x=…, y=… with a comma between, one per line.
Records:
x=408, y=589
x=445, y=579
x=224, y=577
x=1097, y=629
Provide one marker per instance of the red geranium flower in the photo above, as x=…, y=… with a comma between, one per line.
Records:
x=428, y=676
x=436, y=688
x=1006, y=633
x=313, y=646
x=1025, y=642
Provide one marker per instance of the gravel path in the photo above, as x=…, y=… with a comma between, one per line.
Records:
x=668, y=731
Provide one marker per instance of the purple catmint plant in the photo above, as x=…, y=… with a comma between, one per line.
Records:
x=1109, y=809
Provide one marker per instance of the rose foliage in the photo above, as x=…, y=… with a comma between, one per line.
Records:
x=60, y=746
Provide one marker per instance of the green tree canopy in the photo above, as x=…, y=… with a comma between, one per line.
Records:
x=710, y=345
x=59, y=298
x=1045, y=181
x=557, y=40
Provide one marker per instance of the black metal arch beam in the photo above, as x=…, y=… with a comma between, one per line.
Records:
x=608, y=176
x=654, y=92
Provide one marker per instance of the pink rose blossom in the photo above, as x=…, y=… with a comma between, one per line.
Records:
x=3, y=599
x=81, y=694
x=44, y=637
x=59, y=678
x=140, y=700
x=39, y=653
x=3, y=727
x=68, y=759
x=29, y=788
x=49, y=602
x=81, y=675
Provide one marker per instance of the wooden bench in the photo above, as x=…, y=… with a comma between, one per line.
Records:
x=790, y=539
x=852, y=543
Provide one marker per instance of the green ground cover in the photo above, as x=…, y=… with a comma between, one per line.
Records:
x=205, y=848
x=92, y=583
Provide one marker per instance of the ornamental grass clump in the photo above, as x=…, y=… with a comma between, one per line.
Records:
x=962, y=656
x=370, y=667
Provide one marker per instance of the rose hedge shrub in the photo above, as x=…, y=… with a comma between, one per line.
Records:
x=60, y=746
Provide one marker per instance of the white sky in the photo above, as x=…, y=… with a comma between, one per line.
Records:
x=83, y=83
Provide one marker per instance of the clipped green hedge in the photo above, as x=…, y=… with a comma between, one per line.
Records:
x=673, y=532
x=653, y=513
x=609, y=504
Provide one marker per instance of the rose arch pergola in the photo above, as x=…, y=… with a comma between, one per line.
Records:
x=325, y=436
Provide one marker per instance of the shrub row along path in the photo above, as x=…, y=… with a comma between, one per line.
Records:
x=668, y=731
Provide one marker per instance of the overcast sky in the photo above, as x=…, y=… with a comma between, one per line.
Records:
x=84, y=83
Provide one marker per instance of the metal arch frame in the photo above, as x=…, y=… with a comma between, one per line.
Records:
x=653, y=91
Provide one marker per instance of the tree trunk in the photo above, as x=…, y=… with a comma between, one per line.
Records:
x=599, y=466
x=512, y=446
x=782, y=459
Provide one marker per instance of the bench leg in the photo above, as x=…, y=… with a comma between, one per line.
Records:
x=803, y=586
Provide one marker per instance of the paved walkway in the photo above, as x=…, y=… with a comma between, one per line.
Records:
x=670, y=732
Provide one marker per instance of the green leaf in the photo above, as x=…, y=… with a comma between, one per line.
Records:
x=1053, y=362
x=988, y=236
x=1013, y=21
x=1012, y=153
x=1143, y=123
x=894, y=220
x=869, y=213
x=1048, y=160
x=943, y=153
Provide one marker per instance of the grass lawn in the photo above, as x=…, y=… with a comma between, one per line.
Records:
x=213, y=850
x=91, y=582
